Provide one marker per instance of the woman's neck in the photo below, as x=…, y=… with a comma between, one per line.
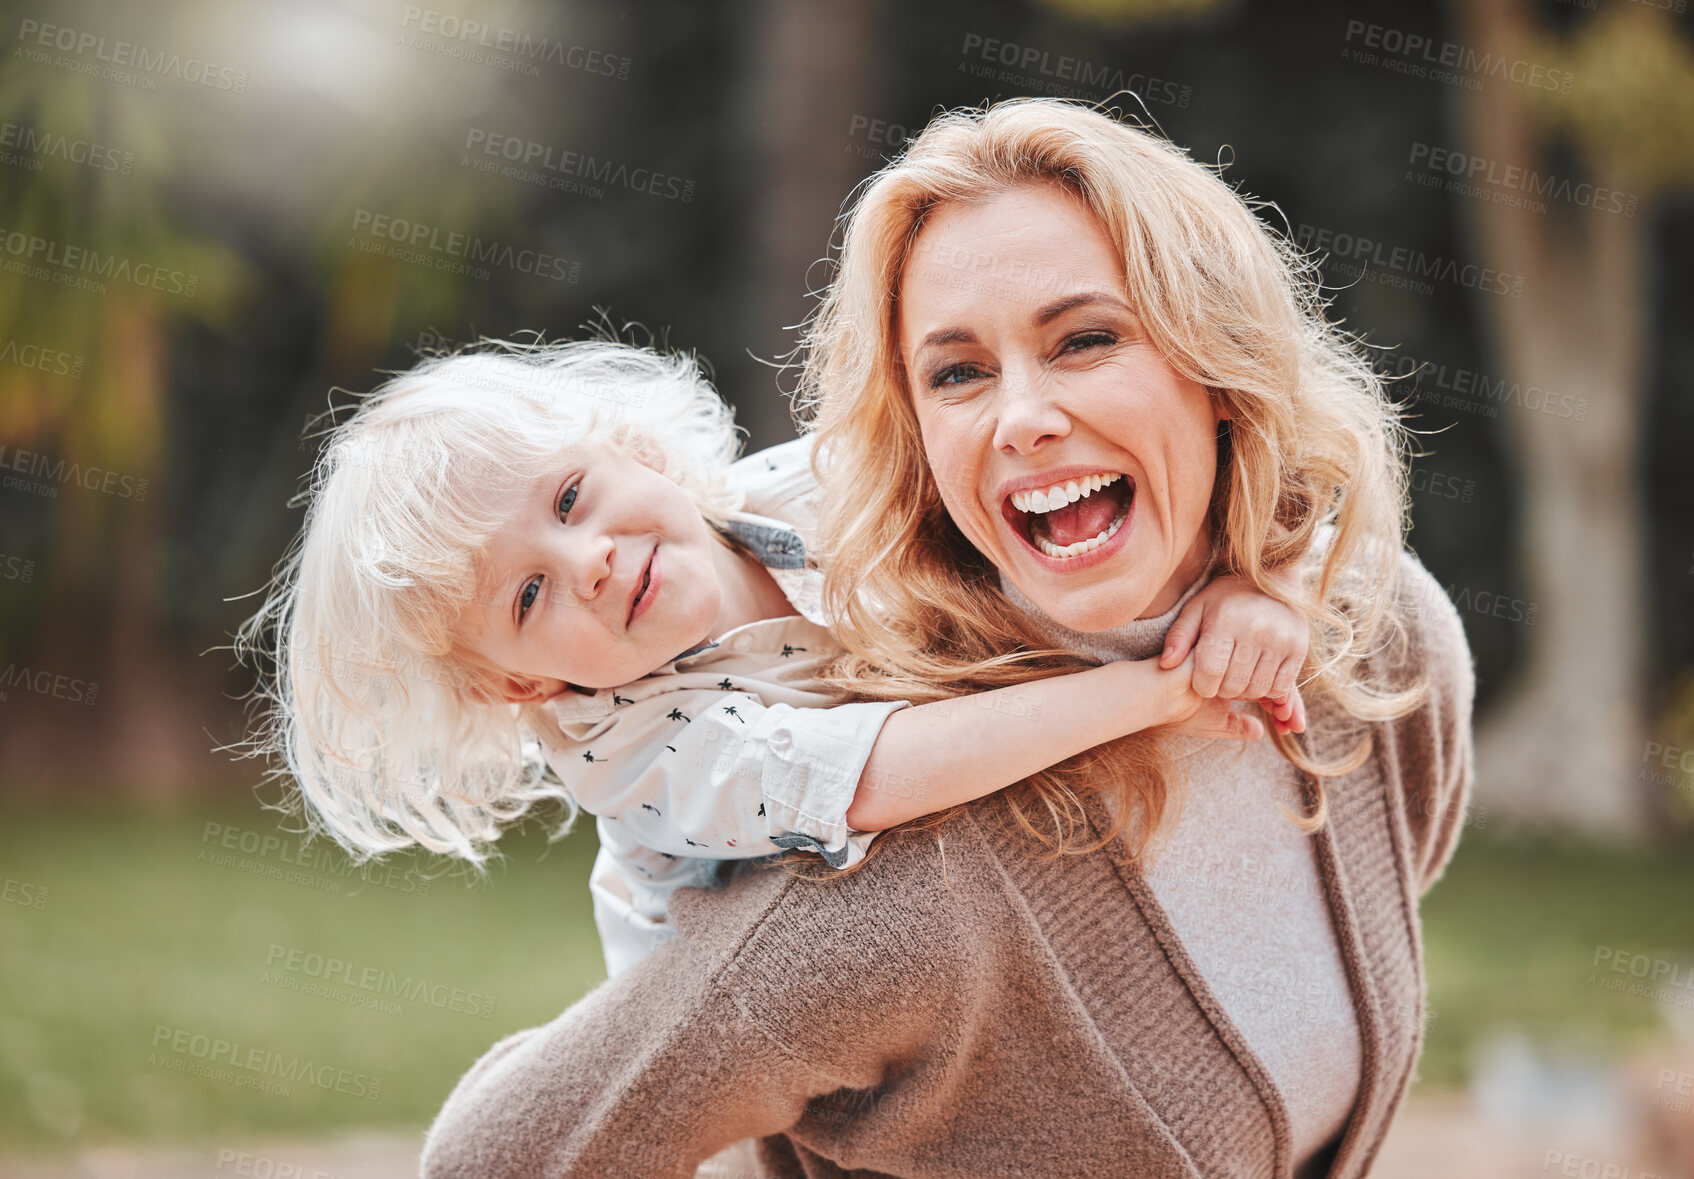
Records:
x=1139, y=638
x=1190, y=569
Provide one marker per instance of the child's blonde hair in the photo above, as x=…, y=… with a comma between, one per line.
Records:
x=1313, y=459
x=391, y=728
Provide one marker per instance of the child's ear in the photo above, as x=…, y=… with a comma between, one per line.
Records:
x=523, y=690
x=646, y=452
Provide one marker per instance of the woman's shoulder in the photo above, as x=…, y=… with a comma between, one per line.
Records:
x=1430, y=746
x=809, y=957
x=908, y=898
x=1427, y=636
x=1435, y=644
x=1421, y=606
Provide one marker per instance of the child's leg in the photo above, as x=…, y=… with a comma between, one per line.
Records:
x=626, y=934
x=631, y=886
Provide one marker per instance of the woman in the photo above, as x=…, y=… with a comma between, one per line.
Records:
x=1031, y=296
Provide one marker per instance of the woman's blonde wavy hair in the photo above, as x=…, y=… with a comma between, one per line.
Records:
x=394, y=732
x=1311, y=462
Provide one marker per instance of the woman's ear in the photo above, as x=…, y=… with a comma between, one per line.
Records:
x=1221, y=412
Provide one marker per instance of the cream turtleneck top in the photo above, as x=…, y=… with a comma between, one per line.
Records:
x=1240, y=885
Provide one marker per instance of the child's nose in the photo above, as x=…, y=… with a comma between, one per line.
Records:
x=592, y=568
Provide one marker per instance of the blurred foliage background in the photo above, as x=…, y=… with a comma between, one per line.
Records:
x=197, y=203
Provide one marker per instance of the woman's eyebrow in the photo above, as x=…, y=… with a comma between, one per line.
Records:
x=940, y=336
x=1052, y=311
x=1071, y=302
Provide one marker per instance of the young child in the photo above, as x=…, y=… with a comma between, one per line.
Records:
x=533, y=573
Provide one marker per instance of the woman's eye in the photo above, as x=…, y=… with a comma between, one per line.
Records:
x=1084, y=340
x=954, y=374
x=567, y=501
x=530, y=593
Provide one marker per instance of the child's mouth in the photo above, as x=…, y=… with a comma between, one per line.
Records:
x=641, y=595
x=1073, y=517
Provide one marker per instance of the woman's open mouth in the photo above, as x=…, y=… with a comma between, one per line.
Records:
x=1071, y=518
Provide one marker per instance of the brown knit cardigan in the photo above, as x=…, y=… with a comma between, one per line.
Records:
x=963, y=1007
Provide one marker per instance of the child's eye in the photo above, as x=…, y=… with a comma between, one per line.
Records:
x=530, y=593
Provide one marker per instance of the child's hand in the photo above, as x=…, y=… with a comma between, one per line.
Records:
x=1288, y=712
x=1166, y=700
x=1216, y=719
x=1246, y=646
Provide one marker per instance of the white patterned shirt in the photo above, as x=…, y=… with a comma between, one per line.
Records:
x=729, y=751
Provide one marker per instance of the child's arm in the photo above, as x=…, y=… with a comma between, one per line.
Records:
x=952, y=751
x=719, y=774
x=714, y=772
x=942, y=754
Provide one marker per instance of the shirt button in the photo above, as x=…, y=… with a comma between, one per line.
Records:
x=740, y=642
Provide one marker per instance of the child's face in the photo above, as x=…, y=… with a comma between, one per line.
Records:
x=563, y=572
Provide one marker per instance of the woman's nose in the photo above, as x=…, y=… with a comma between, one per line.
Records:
x=1027, y=416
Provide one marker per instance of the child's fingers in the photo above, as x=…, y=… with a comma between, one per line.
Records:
x=1216, y=720
x=1288, y=712
x=1283, y=685
x=1211, y=660
x=1264, y=675
x=1245, y=728
x=1240, y=674
x=1180, y=639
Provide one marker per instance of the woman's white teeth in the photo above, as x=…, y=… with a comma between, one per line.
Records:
x=1081, y=546
x=1060, y=494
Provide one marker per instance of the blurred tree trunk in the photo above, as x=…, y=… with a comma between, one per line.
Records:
x=1564, y=746
x=809, y=77
x=149, y=702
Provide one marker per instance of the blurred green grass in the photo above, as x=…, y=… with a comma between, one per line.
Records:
x=142, y=927
x=1510, y=937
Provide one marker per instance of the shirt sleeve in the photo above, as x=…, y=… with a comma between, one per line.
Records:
x=695, y=772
